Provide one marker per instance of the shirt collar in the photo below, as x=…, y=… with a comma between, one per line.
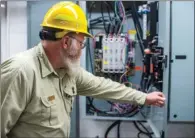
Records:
x=46, y=67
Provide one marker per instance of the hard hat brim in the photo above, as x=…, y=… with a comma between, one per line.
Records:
x=87, y=34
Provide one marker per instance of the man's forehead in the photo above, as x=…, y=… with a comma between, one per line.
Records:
x=80, y=36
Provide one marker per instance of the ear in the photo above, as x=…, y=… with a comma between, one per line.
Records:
x=65, y=42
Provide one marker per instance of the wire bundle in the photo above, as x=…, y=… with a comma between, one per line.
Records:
x=111, y=24
x=128, y=113
x=141, y=131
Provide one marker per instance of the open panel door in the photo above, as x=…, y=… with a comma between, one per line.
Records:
x=158, y=116
x=182, y=62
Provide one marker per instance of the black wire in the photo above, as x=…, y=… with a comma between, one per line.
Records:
x=111, y=127
x=89, y=17
x=109, y=25
x=98, y=21
x=111, y=22
x=131, y=113
x=139, y=38
x=145, y=42
x=138, y=25
x=111, y=7
x=93, y=107
x=134, y=10
x=103, y=18
x=112, y=26
x=118, y=130
x=108, y=10
x=117, y=26
x=139, y=31
x=145, y=82
x=145, y=128
x=146, y=132
x=90, y=9
x=110, y=102
x=142, y=81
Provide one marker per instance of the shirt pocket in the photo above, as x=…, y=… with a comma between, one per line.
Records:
x=49, y=112
x=69, y=96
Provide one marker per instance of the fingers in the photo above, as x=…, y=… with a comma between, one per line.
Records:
x=157, y=99
x=162, y=99
x=160, y=94
x=159, y=104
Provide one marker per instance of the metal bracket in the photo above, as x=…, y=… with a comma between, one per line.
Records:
x=164, y=61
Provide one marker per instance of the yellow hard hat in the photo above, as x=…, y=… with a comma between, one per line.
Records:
x=67, y=16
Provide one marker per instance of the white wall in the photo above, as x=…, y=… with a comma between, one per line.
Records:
x=4, y=47
x=14, y=29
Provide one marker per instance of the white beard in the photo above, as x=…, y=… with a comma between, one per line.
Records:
x=71, y=66
x=71, y=59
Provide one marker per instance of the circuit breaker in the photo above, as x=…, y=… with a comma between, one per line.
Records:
x=114, y=53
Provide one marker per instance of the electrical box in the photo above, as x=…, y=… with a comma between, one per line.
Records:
x=118, y=54
x=121, y=56
x=114, y=58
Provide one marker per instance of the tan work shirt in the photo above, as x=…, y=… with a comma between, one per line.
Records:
x=37, y=102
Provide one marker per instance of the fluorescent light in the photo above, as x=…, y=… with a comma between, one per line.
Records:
x=2, y=5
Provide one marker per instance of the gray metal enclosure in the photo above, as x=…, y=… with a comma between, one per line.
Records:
x=157, y=119
x=182, y=62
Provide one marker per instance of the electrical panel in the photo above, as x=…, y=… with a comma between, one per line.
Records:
x=114, y=58
x=125, y=49
x=114, y=52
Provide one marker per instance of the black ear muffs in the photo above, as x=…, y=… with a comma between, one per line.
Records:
x=47, y=35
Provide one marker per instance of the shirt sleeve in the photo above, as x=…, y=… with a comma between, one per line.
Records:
x=99, y=87
x=15, y=94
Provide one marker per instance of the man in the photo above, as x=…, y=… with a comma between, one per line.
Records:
x=39, y=85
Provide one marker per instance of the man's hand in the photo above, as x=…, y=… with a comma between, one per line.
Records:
x=155, y=98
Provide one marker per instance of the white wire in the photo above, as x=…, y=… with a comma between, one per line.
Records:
x=124, y=16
